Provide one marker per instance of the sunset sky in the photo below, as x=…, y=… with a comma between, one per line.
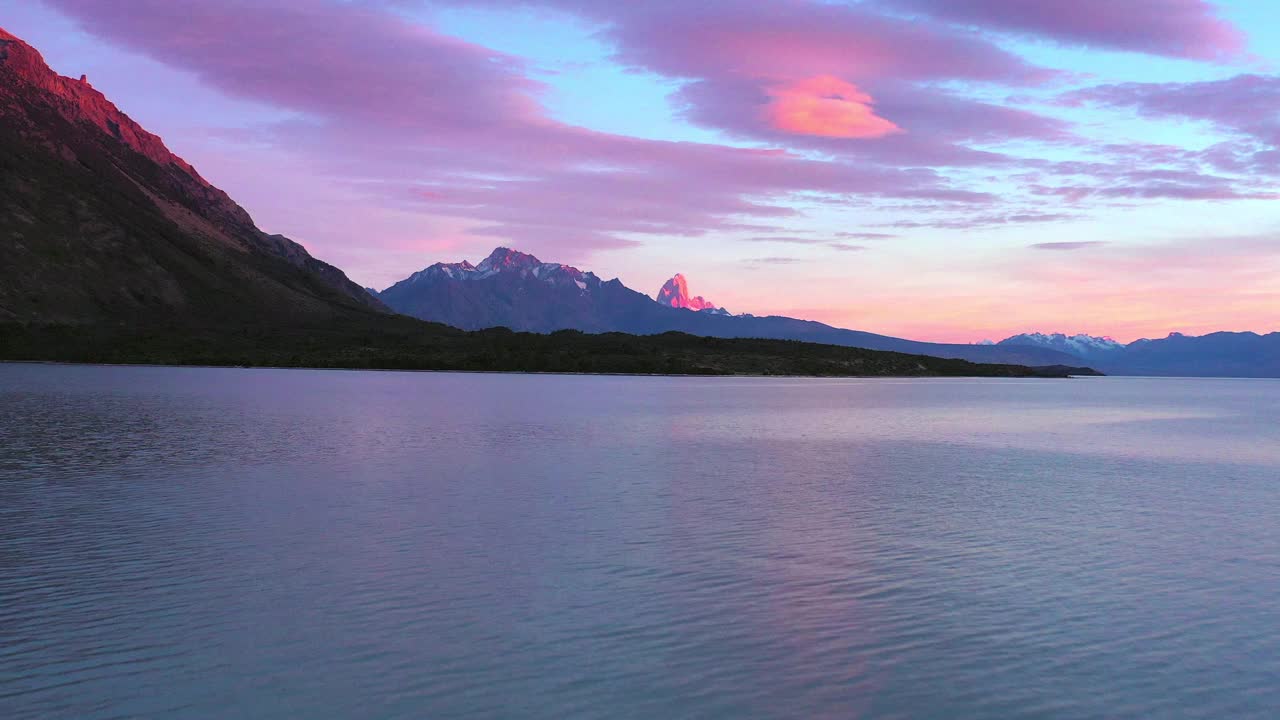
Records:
x=947, y=170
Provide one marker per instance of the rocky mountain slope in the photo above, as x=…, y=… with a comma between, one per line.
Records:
x=515, y=290
x=99, y=221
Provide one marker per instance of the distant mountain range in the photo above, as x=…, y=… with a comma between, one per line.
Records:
x=518, y=291
x=1221, y=354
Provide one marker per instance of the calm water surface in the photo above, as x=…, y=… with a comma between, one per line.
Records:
x=201, y=543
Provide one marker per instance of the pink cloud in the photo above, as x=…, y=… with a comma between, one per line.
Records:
x=826, y=106
x=1174, y=28
x=939, y=129
x=736, y=60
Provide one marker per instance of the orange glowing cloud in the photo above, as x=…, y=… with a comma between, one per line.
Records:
x=827, y=106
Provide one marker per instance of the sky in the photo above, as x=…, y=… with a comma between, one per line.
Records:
x=946, y=170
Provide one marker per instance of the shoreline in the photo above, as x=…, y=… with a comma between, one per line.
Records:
x=548, y=372
x=395, y=344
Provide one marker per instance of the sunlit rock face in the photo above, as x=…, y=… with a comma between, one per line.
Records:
x=675, y=293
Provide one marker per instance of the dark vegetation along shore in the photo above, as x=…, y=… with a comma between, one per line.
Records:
x=115, y=250
x=406, y=344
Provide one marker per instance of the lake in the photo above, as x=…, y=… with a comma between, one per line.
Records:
x=213, y=543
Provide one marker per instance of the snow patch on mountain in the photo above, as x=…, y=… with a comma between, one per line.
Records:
x=507, y=261
x=1081, y=345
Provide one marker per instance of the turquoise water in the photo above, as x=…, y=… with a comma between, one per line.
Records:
x=210, y=543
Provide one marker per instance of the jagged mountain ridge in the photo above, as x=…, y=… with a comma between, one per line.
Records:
x=101, y=221
x=511, y=292
x=675, y=293
x=509, y=261
x=515, y=290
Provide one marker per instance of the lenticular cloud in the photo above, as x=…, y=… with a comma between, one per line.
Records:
x=827, y=106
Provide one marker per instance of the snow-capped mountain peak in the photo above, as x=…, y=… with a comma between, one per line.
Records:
x=504, y=261
x=1081, y=345
x=456, y=271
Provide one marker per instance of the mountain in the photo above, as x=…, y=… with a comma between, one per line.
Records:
x=101, y=222
x=517, y=291
x=1082, y=346
x=675, y=293
x=1222, y=354
x=514, y=290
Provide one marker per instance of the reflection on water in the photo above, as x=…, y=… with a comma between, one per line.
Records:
x=186, y=542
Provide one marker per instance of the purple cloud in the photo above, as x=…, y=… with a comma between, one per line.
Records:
x=324, y=59
x=795, y=40
x=1248, y=104
x=1174, y=28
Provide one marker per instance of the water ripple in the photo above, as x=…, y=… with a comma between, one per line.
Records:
x=198, y=543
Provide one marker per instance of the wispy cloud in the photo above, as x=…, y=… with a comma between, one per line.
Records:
x=867, y=235
x=1174, y=28
x=1078, y=245
x=785, y=239
x=967, y=222
x=772, y=261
